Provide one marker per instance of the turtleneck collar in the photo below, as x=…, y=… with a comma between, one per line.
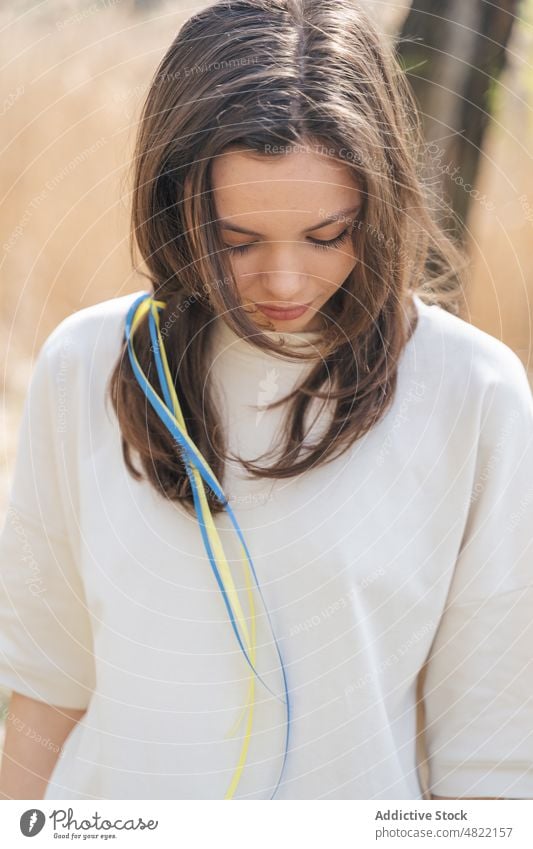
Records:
x=227, y=341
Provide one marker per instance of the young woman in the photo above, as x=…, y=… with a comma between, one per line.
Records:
x=265, y=509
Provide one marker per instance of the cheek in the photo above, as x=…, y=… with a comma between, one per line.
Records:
x=331, y=268
x=339, y=265
x=244, y=271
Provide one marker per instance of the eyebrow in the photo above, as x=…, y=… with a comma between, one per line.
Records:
x=228, y=225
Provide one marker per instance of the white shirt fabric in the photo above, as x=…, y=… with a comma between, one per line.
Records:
x=413, y=546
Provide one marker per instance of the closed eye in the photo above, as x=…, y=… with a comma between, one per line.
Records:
x=331, y=243
x=317, y=243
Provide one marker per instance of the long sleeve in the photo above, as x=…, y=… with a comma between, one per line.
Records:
x=478, y=690
x=45, y=631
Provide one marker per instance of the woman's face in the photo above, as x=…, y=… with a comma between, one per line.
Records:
x=286, y=222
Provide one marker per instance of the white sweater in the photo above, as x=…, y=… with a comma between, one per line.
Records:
x=413, y=546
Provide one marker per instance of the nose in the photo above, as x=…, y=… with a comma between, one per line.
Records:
x=284, y=280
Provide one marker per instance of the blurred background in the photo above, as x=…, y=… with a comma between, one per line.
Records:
x=74, y=77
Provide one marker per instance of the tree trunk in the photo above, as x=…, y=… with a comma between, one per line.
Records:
x=454, y=52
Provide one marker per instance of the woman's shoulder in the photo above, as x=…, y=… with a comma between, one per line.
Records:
x=96, y=328
x=458, y=352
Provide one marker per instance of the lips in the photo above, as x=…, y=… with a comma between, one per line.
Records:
x=283, y=313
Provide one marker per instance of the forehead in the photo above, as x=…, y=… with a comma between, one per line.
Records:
x=299, y=187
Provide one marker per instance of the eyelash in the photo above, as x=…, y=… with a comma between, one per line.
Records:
x=331, y=243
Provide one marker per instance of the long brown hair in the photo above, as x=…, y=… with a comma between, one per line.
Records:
x=265, y=75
